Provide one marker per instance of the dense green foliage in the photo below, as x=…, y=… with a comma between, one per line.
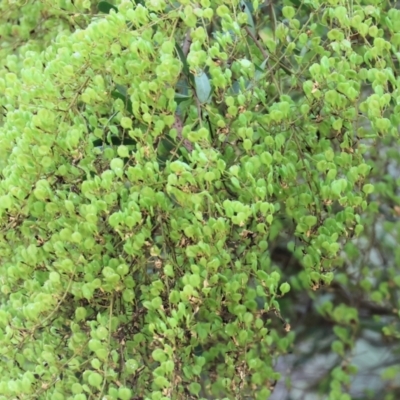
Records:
x=159, y=159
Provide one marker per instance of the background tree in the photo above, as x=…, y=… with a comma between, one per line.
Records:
x=194, y=194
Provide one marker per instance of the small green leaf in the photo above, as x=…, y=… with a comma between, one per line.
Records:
x=123, y=151
x=116, y=164
x=80, y=313
x=337, y=347
x=124, y=393
x=358, y=229
x=284, y=288
x=95, y=379
x=161, y=382
x=159, y=355
x=310, y=220
x=131, y=365
x=338, y=186
x=288, y=12
x=5, y=201
x=195, y=388
x=368, y=188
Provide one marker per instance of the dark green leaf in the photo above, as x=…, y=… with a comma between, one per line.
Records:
x=179, y=98
x=245, y=7
x=203, y=87
x=185, y=65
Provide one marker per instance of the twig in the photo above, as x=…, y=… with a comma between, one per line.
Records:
x=79, y=91
x=263, y=52
x=178, y=125
x=186, y=43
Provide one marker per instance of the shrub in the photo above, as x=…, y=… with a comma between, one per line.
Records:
x=155, y=159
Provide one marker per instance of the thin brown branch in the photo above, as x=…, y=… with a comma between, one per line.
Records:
x=186, y=43
x=263, y=52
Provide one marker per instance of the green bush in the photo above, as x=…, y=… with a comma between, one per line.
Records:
x=158, y=158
